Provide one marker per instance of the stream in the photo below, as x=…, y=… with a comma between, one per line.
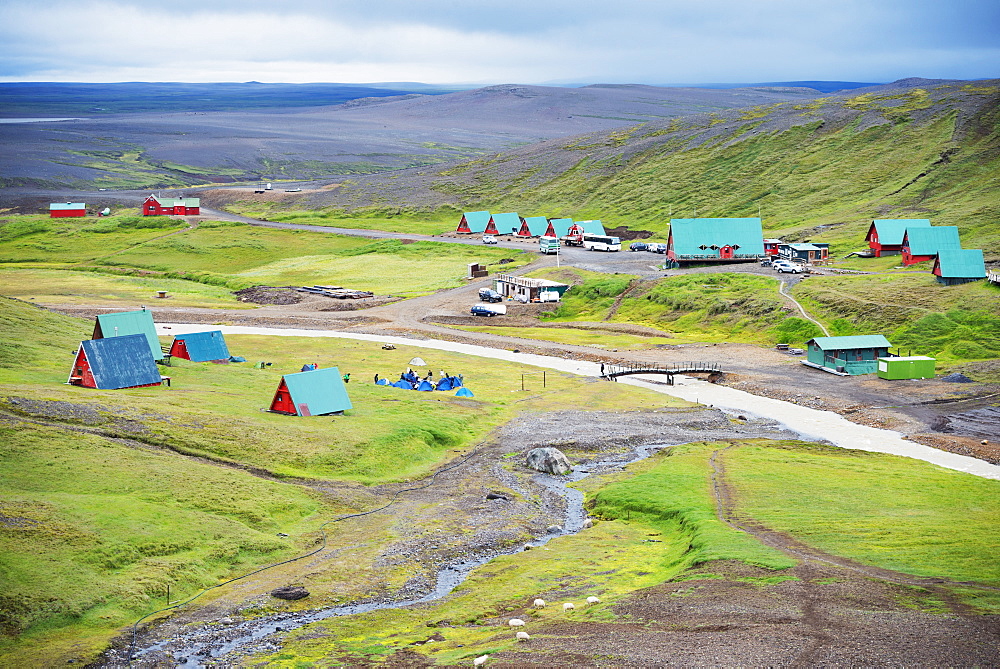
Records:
x=194, y=648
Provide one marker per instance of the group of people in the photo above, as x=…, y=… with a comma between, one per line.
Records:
x=410, y=380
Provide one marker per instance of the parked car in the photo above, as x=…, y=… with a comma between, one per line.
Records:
x=638, y=246
x=783, y=266
x=656, y=248
x=766, y=262
x=489, y=295
x=489, y=239
x=488, y=310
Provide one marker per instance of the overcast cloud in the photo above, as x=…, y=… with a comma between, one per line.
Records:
x=489, y=41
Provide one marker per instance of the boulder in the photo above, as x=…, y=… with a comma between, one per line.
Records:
x=291, y=592
x=548, y=460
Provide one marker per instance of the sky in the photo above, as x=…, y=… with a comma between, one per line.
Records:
x=498, y=41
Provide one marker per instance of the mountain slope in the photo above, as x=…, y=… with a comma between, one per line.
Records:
x=893, y=152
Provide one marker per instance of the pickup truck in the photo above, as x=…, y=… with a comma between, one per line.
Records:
x=489, y=310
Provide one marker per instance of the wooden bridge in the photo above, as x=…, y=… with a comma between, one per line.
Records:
x=614, y=370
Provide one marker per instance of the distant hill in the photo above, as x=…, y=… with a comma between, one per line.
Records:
x=41, y=99
x=315, y=132
x=825, y=165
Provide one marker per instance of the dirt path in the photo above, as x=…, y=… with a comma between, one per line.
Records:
x=805, y=314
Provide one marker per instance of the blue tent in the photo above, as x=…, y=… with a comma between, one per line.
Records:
x=444, y=384
x=402, y=384
x=383, y=382
x=200, y=346
x=425, y=385
x=115, y=362
x=464, y=392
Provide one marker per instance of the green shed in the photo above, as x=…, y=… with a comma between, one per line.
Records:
x=906, y=367
x=856, y=354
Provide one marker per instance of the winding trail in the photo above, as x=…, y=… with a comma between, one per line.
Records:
x=781, y=291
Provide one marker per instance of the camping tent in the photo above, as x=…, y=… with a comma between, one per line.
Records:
x=200, y=346
x=113, y=363
x=313, y=393
x=464, y=392
x=128, y=323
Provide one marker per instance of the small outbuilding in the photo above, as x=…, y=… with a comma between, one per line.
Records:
x=127, y=323
x=154, y=205
x=921, y=244
x=314, y=393
x=67, y=209
x=855, y=354
x=906, y=367
x=115, y=363
x=474, y=222
x=715, y=240
x=771, y=247
x=200, y=347
x=955, y=266
x=524, y=289
x=808, y=252
x=885, y=235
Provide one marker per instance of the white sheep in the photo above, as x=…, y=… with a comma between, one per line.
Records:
x=539, y=604
x=522, y=636
x=593, y=600
x=515, y=622
x=480, y=661
x=589, y=523
x=568, y=606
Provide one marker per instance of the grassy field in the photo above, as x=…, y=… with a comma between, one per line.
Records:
x=129, y=260
x=669, y=497
x=393, y=219
x=602, y=339
x=109, y=523
x=691, y=308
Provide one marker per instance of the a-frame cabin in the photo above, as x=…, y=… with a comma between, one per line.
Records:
x=114, y=363
x=474, y=222
x=200, y=347
x=312, y=393
x=129, y=322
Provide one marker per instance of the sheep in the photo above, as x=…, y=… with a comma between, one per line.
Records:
x=522, y=636
x=589, y=523
x=515, y=622
x=480, y=661
x=568, y=606
x=593, y=600
x=539, y=604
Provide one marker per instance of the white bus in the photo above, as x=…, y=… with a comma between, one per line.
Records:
x=601, y=243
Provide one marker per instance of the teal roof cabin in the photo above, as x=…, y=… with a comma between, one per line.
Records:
x=474, y=222
x=313, y=393
x=504, y=224
x=855, y=354
x=715, y=240
x=114, y=363
x=955, y=266
x=885, y=235
x=129, y=322
x=533, y=226
x=921, y=244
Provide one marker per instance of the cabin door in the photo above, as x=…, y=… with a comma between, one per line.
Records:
x=726, y=251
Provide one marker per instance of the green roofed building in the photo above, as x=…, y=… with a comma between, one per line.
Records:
x=954, y=266
x=128, y=323
x=533, y=226
x=312, y=393
x=594, y=227
x=715, y=240
x=504, y=224
x=855, y=354
x=885, y=235
x=474, y=222
x=921, y=244
x=560, y=227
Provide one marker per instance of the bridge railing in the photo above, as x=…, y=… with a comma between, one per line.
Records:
x=620, y=368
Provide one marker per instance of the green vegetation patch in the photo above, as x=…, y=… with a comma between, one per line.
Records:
x=884, y=510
